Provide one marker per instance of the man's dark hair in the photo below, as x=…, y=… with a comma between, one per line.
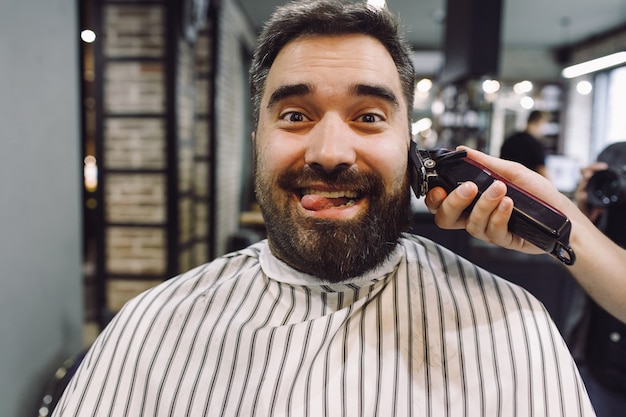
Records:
x=535, y=116
x=329, y=17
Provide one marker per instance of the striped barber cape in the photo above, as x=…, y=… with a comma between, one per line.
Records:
x=425, y=334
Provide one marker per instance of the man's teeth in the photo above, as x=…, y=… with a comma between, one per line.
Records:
x=332, y=194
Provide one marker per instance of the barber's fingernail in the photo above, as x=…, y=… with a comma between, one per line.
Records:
x=436, y=196
x=505, y=204
x=465, y=190
x=494, y=190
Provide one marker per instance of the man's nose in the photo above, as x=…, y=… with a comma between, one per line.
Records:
x=331, y=145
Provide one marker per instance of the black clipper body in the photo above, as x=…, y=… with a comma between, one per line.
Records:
x=532, y=219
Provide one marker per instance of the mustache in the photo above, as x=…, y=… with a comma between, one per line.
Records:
x=341, y=178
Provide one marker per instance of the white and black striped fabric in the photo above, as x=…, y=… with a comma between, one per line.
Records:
x=426, y=334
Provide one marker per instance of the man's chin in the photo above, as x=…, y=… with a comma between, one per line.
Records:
x=329, y=249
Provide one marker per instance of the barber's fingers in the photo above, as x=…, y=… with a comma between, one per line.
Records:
x=449, y=212
x=434, y=198
x=489, y=218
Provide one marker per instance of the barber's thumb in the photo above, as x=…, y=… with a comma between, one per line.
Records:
x=435, y=197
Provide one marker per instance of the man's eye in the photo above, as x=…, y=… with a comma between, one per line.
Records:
x=293, y=116
x=370, y=118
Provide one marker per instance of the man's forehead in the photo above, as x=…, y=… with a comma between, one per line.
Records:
x=354, y=59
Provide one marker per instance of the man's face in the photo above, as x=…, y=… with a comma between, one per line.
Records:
x=331, y=155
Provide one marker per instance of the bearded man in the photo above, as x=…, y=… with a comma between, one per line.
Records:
x=338, y=312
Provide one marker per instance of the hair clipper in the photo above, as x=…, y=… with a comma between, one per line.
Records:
x=532, y=219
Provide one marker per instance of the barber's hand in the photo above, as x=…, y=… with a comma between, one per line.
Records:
x=489, y=218
x=581, y=193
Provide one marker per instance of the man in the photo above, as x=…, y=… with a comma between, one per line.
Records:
x=337, y=313
x=524, y=147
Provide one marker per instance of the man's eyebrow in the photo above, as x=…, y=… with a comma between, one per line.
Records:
x=286, y=91
x=376, y=91
x=292, y=90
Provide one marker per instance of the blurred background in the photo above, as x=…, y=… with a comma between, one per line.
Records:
x=125, y=152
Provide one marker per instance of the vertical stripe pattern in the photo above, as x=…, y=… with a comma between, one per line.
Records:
x=245, y=335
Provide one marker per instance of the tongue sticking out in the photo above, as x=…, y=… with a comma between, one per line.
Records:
x=316, y=202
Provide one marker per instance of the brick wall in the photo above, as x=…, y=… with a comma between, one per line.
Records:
x=135, y=198
x=126, y=34
x=212, y=144
x=134, y=143
x=134, y=87
x=144, y=242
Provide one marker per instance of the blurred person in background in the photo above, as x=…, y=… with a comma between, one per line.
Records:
x=525, y=147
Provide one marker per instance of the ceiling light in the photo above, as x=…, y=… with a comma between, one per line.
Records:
x=437, y=107
x=379, y=4
x=491, y=86
x=523, y=87
x=424, y=85
x=421, y=125
x=527, y=102
x=88, y=36
x=584, y=87
x=594, y=65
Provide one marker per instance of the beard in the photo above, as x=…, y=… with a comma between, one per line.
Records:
x=330, y=249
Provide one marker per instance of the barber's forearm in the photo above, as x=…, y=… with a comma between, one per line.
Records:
x=600, y=266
